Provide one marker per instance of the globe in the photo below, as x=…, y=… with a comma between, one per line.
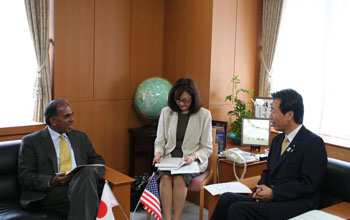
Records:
x=151, y=96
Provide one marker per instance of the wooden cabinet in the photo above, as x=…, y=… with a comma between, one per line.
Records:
x=225, y=170
x=141, y=150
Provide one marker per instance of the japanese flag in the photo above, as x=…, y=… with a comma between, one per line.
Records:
x=108, y=201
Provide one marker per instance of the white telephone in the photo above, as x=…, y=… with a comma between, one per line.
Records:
x=237, y=156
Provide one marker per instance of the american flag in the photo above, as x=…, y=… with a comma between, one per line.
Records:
x=150, y=199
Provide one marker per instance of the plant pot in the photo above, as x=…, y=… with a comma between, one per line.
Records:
x=236, y=139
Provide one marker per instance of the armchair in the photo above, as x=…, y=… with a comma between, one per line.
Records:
x=197, y=184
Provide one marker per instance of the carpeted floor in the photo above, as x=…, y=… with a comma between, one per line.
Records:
x=191, y=212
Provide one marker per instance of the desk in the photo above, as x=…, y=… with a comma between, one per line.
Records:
x=225, y=170
x=120, y=185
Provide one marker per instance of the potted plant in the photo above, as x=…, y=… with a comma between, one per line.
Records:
x=241, y=109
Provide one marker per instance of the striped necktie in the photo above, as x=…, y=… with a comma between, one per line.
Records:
x=65, y=157
x=284, y=144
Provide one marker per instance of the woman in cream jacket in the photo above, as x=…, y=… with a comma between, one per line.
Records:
x=184, y=130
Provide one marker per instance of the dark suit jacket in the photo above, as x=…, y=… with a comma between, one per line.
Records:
x=37, y=161
x=296, y=176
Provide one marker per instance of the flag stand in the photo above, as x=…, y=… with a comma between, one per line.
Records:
x=138, y=203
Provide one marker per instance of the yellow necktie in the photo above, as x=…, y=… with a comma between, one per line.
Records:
x=284, y=145
x=65, y=157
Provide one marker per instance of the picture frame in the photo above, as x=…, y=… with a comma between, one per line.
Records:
x=221, y=133
x=256, y=132
x=262, y=107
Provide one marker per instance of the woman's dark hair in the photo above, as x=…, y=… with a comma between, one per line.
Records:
x=51, y=109
x=180, y=86
x=291, y=101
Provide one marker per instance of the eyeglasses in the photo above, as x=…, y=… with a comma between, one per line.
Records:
x=184, y=101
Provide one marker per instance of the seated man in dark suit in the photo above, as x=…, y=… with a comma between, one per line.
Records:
x=296, y=165
x=46, y=155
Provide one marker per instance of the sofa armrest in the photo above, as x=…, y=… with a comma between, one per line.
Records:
x=250, y=182
x=341, y=210
x=120, y=185
x=116, y=178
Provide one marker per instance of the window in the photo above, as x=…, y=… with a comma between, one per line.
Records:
x=312, y=57
x=18, y=66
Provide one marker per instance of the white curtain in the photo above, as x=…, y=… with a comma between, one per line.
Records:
x=270, y=26
x=312, y=57
x=38, y=20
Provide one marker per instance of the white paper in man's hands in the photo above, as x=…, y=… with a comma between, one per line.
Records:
x=220, y=188
x=77, y=168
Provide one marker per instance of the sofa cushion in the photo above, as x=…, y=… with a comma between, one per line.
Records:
x=335, y=187
x=9, y=186
x=9, y=156
x=11, y=210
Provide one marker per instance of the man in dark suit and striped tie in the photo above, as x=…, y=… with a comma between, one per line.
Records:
x=296, y=165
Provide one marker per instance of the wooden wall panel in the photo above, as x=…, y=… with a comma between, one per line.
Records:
x=74, y=58
x=106, y=123
x=112, y=49
x=16, y=133
x=246, y=39
x=340, y=153
x=222, y=50
x=187, y=42
x=219, y=112
x=174, y=39
x=146, y=41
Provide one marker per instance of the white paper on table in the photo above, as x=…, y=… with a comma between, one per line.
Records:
x=220, y=188
x=316, y=214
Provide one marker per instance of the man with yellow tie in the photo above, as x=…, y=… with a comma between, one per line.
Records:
x=47, y=155
x=296, y=165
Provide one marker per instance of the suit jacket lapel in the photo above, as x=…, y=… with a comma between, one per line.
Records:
x=48, y=147
x=173, y=127
x=292, y=147
x=275, y=157
x=189, y=129
x=75, y=146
